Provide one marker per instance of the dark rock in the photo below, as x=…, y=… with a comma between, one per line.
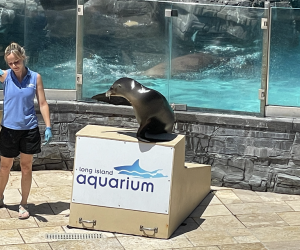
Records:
x=56, y=166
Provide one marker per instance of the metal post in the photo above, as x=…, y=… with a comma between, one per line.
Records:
x=169, y=13
x=79, y=49
x=168, y=34
x=25, y=24
x=266, y=26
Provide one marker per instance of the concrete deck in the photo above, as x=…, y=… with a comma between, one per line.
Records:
x=227, y=219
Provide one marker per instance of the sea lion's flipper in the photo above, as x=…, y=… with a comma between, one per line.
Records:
x=115, y=100
x=162, y=137
x=143, y=135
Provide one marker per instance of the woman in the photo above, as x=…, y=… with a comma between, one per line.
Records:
x=20, y=133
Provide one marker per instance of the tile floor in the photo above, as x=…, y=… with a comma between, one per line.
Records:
x=227, y=219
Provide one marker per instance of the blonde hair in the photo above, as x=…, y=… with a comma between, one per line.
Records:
x=17, y=50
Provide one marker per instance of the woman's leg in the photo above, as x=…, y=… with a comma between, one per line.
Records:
x=26, y=168
x=6, y=164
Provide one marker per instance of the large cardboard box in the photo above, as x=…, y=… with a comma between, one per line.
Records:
x=123, y=185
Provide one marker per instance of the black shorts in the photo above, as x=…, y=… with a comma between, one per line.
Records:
x=12, y=142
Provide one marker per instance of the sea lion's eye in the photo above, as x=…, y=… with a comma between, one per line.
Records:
x=119, y=85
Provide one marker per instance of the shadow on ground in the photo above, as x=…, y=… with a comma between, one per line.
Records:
x=47, y=208
x=190, y=224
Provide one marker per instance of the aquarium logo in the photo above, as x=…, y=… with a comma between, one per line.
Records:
x=126, y=183
x=135, y=170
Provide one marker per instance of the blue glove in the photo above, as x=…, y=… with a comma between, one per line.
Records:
x=48, y=135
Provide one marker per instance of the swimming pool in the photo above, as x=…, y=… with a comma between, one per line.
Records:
x=230, y=85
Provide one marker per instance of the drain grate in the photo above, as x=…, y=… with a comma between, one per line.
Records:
x=73, y=236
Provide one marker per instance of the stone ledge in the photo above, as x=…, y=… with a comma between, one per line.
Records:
x=247, y=152
x=243, y=121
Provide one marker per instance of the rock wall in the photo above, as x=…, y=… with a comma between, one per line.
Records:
x=124, y=21
x=259, y=154
x=245, y=152
x=134, y=34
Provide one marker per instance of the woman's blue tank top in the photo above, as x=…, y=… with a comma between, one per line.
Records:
x=18, y=104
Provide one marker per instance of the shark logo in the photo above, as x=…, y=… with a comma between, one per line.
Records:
x=136, y=171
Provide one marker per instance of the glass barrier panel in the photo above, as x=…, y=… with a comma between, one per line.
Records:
x=123, y=39
x=217, y=57
x=12, y=22
x=50, y=41
x=284, y=84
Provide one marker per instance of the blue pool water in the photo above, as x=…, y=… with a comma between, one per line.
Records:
x=284, y=81
x=233, y=85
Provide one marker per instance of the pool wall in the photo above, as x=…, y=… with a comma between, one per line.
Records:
x=247, y=152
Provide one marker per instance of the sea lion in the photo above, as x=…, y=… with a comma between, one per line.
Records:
x=187, y=63
x=152, y=110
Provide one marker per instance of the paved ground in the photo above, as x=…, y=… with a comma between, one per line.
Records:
x=228, y=219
